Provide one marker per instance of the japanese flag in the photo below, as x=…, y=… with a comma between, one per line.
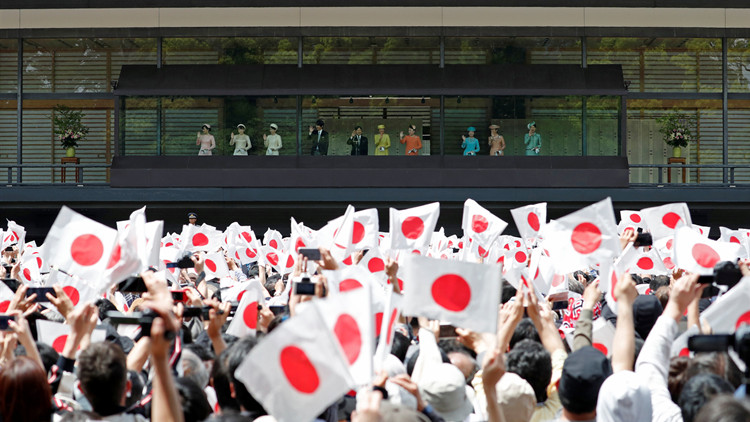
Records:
x=608, y=279
x=632, y=220
x=480, y=224
x=349, y=278
x=298, y=370
x=730, y=310
x=583, y=238
x=530, y=219
x=365, y=229
x=197, y=238
x=603, y=333
x=130, y=249
x=245, y=320
x=300, y=238
x=79, y=293
x=273, y=239
x=412, y=228
x=55, y=334
x=349, y=317
x=150, y=255
x=736, y=236
x=15, y=234
x=391, y=313
x=696, y=254
x=663, y=220
x=374, y=263
x=343, y=235
x=635, y=261
x=541, y=272
x=277, y=259
x=465, y=294
x=30, y=271
x=703, y=230
x=215, y=266
x=665, y=248
x=245, y=234
x=80, y=245
x=169, y=255
x=6, y=295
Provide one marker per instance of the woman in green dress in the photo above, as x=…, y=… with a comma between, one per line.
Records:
x=532, y=140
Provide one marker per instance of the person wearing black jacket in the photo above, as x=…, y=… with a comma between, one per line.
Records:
x=358, y=142
x=319, y=138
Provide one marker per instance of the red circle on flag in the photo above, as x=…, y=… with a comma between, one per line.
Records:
x=168, y=244
x=200, y=239
x=479, y=224
x=452, y=292
x=290, y=261
x=670, y=242
x=358, y=232
x=635, y=218
x=298, y=244
x=298, y=369
x=250, y=253
x=349, y=284
x=73, y=294
x=533, y=221
x=557, y=279
x=39, y=262
x=273, y=258
x=600, y=347
x=237, y=255
x=4, y=306
x=744, y=318
x=273, y=243
x=685, y=352
x=391, y=321
x=645, y=263
x=704, y=255
x=248, y=237
x=412, y=227
x=239, y=296
x=671, y=219
x=613, y=283
x=250, y=315
x=536, y=274
x=115, y=257
x=59, y=343
x=668, y=263
x=27, y=274
x=734, y=239
x=520, y=257
x=375, y=265
x=86, y=250
x=378, y=322
x=586, y=238
x=211, y=265
x=482, y=251
x=349, y=336
x=501, y=260
x=400, y=284
x=348, y=260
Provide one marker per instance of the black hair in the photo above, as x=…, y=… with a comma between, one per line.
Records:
x=207, y=127
x=200, y=350
x=46, y=352
x=102, y=372
x=195, y=406
x=508, y=292
x=400, y=345
x=532, y=362
x=452, y=345
x=698, y=391
x=220, y=383
x=525, y=330
x=724, y=408
x=236, y=354
x=357, y=127
x=136, y=388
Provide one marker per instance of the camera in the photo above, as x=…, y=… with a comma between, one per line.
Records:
x=643, y=239
x=197, y=311
x=184, y=262
x=133, y=284
x=726, y=273
x=739, y=341
x=304, y=286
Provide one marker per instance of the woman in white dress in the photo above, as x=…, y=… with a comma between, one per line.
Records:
x=240, y=141
x=272, y=141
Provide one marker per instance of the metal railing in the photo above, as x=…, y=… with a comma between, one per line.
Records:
x=74, y=174
x=728, y=173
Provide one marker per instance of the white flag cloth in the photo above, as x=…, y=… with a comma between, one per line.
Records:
x=635, y=261
x=129, y=252
x=6, y=295
x=530, y=219
x=608, y=279
x=703, y=230
x=215, y=266
x=298, y=370
x=541, y=271
x=245, y=320
x=80, y=246
x=150, y=255
x=365, y=229
x=465, y=294
x=30, y=268
x=603, y=335
x=300, y=238
x=15, y=234
x=582, y=239
x=349, y=278
x=412, y=228
x=79, y=293
x=374, y=263
x=739, y=237
x=198, y=238
x=696, y=254
x=54, y=334
x=343, y=235
x=632, y=220
x=273, y=239
x=349, y=317
x=391, y=312
x=663, y=220
x=730, y=310
x=480, y=224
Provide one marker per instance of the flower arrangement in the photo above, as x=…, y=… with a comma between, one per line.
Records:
x=68, y=126
x=675, y=127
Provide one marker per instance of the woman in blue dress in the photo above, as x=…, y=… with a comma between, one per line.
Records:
x=470, y=145
x=532, y=140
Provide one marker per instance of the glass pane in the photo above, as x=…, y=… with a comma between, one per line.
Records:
x=371, y=50
x=739, y=137
x=498, y=50
x=662, y=64
x=230, y=50
x=646, y=144
x=41, y=147
x=738, y=64
x=602, y=125
x=8, y=65
x=8, y=136
x=81, y=64
x=342, y=115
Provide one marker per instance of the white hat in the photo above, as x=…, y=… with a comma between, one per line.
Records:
x=516, y=398
x=274, y=126
x=623, y=397
x=444, y=388
x=207, y=126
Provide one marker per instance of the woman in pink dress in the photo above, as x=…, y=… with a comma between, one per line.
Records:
x=205, y=140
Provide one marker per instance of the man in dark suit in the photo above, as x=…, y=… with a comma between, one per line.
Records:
x=319, y=138
x=358, y=142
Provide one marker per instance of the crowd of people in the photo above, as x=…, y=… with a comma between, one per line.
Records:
x=185, y=368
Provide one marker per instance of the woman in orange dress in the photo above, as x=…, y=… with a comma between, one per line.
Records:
x=412, y=141
x=496, y=141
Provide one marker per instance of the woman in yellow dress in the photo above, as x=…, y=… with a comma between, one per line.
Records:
x=382, y=141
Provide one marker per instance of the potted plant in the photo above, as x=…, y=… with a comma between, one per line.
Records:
x=68, y=128
x=675, y=127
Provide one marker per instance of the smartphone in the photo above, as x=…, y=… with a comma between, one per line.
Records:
x=12, y=283
x=558, y=306
x=312, y=254
x=197, y=311
x=304, y=288
x=643, y=239
x=133, y=285
x=179, y=296
x=4, y=322
x=278, y=310
x=706, y=279
x=41, y=293
x=447, y=331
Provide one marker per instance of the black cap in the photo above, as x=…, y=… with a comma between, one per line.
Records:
x=192, y=215
x=583, y=373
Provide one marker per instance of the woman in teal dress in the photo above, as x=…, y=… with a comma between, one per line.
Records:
x=470, y=145
x=532, y=140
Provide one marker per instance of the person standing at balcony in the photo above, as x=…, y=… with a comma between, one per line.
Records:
x=358, y=142
x=272, y=141
x=496, y=141
x=382, y=141
x=241, y=141
x=205, y=140
x=319, y=139
x=470, y=144
x=532, y=140
x=412, y=141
